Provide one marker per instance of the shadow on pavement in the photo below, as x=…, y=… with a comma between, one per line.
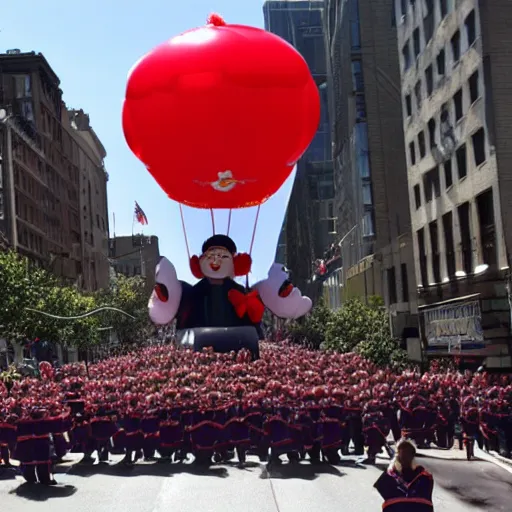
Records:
x=461, y=494
x=475, y=483
x=163, y=470
x=8, y=473
x=36, y=492
x=299, y=471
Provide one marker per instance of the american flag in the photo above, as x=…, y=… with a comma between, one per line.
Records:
x=140, y=215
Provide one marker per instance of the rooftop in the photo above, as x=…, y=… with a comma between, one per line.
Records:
x=19, y=60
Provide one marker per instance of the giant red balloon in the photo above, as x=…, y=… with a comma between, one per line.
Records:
x=220, y=114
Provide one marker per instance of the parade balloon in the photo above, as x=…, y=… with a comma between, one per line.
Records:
x=220, y=114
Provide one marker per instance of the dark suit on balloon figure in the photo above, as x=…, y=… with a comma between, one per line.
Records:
x=217, y=311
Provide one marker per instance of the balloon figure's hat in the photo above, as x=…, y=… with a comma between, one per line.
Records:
x=242, y=261
x=223, y=241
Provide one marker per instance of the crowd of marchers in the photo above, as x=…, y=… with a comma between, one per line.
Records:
x=165, y=403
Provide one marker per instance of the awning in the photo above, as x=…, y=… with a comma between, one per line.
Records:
x=465, y=298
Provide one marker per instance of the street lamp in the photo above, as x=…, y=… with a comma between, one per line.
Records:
x=5, y=119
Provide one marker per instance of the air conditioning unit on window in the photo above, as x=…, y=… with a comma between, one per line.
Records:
x=438, y=154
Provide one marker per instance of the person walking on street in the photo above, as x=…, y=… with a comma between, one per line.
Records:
x=406, y=486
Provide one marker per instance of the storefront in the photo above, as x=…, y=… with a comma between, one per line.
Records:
x=456, y=328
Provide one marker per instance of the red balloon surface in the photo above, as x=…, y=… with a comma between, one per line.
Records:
x=219, y=115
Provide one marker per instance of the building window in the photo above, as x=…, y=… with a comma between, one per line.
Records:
x=417, y=93
x=361, y=137
x=420, y=235
x=470, y=23
x=403, y=7
x=360, y=108
x=457, y=101
x=408, y=105
x=445, y=116
x=443, y=7
x=465, y=236
x=417, y=196
x=449, y=244
x=406, y=54
x=412, y=153
x=436, y=257
x=354, y=27
x=478, y=139
x=473, y=87
x=391, y=278
x=455, y=43
x=485, y=208
x=429, y=80
x=428, y=21
x=421, y=144
x=330, y=210
x=357, y=76
x=432, y=132
x=448, y=177
x=460, y=155
x=22, y=86
x=368, y=229
x=405, y=282
x=367, y=194
x=416, y=42
x=431, y=184
x=441, y=63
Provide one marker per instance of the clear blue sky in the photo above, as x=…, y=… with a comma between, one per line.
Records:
x=91, y=46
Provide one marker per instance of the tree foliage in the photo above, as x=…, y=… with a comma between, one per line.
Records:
x=129, y=294
x=311, y=330
x=25, y=286
x=355, y=327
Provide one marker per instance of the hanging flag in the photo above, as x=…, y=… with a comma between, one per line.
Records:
x=140, y=215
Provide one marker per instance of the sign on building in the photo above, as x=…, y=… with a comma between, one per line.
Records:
x=454, y=325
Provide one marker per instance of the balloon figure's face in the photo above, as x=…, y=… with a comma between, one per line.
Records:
x=217, y=263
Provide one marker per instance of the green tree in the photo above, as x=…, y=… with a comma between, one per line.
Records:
x=129, y=294
x=24, y=287
x=21, y=286
x=310, y=330
x=364, y=328
x=68, y=302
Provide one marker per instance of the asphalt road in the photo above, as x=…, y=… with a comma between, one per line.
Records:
x=461, y=486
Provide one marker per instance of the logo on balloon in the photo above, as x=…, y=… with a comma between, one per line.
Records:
x=225, y=182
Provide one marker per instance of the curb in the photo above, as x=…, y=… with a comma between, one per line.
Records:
x=497, y=460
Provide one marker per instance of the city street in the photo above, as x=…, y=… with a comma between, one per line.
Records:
x=461, y=486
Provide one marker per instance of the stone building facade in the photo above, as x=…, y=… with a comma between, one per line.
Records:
x=456, y=76
x=90, y=157
x=135, y=255
x=374, y=225
x=40, y=179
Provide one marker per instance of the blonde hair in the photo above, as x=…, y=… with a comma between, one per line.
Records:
x=395, y=463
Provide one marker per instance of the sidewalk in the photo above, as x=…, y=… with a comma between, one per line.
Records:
x=456, y=454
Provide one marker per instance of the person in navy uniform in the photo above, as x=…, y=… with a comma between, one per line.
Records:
x=405, y=486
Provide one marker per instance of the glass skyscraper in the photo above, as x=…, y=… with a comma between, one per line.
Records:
x=301, y=24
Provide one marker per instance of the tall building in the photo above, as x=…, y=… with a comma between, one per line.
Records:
x=135, y=255
x=374, y=224
x=309, y=228
x=93, y=201
x=456, y=90
x=39, y=201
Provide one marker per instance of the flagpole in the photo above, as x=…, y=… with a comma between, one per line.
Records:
x=114, y=223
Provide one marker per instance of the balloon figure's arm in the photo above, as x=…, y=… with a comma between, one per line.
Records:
x=280, y=296
x=166, y=297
